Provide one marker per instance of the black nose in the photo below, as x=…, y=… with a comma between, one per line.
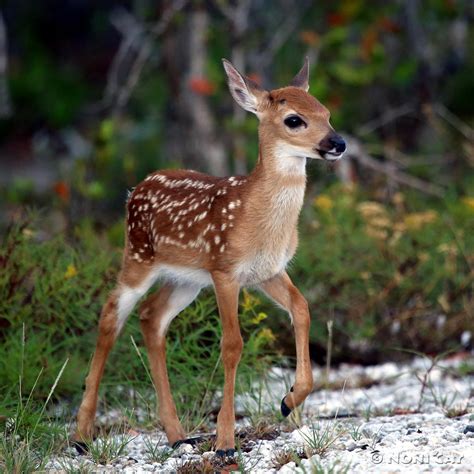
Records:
x=337, y=144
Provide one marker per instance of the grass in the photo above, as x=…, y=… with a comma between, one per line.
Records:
x=29, y=437
x=321, y=436
x=106, y=449
x=285, y=456
x=58, y=299
x=155, y=451
x=204, y=466
x=316, y=466
x=75, y=466
x=355, y=431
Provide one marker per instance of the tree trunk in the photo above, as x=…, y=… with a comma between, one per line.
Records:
x=191, y=135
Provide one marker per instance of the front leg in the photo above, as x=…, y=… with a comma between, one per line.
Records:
x=281, y=290
x=227, y=294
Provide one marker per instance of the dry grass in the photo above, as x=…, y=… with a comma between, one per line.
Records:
x=280, y=458
x=263, y=430
x=204, y=466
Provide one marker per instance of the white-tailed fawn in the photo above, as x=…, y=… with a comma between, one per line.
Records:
x=191, y=230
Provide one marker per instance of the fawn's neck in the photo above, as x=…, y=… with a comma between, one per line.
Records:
x=277, y=186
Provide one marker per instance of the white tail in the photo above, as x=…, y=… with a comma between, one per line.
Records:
x=192, y=230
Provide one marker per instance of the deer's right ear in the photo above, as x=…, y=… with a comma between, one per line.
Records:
x=244, y=91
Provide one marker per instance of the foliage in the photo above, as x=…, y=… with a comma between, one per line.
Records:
x=392, y=273
x=55, y=287
x=392, y=270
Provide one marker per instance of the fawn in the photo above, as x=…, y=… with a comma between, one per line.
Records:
x=192, y=230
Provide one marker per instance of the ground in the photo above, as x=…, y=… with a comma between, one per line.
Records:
x=416, y=417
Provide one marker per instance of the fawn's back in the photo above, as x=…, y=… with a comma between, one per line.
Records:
x=185, y=224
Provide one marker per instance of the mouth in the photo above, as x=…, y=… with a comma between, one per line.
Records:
x=329, y=155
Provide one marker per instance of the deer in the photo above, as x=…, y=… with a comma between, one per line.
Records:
x=190, y=230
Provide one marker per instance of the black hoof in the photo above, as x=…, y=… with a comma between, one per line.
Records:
x=192, y=441
x=285, y=410
x=81, y=447
x=225, y=453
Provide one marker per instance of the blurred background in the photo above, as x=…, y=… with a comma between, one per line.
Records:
x=96, y=94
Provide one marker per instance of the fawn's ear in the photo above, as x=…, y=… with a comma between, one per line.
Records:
x=301, y=80
x=245, y=92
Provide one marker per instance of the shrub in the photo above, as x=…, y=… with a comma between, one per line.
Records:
x=388, y=274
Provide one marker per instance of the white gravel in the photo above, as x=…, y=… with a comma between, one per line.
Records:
x=391, y=425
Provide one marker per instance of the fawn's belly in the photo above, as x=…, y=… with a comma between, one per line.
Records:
x=181, y=275
x=252, y=271
x=261, y=267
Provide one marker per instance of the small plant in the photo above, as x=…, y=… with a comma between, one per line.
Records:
x=108, y=448
x=355, y=431
x=206, y=445
x=321, y=437
x=444, y=400
x=155, y=451
x=263, y=429
x=255, y=401
x=19, y=456
x=285, y=456
x=203, y=466
x=245, y=465
x=75, y=466
x=456, y=411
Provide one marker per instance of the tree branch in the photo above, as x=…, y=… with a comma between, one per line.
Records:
x=356, y=151
x=133, y=53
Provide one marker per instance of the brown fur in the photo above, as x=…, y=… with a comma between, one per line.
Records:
x=239, y=230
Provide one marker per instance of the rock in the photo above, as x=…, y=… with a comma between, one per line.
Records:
x=288, y=468
x=351, y=446
x=469, y=429
x=182, y=449
x=302, y=435
x=421, y=441
x=452, y=436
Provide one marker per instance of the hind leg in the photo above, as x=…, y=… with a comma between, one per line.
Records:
x=156, y=313
x=134, y=281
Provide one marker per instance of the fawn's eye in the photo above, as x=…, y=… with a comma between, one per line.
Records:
x=293, y=121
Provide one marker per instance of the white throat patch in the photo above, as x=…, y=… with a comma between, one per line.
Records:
x=290, y=160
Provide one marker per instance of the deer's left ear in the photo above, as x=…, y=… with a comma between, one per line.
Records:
x=301, y=80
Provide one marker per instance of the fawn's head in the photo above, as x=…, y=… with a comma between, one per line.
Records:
x=295, y=122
